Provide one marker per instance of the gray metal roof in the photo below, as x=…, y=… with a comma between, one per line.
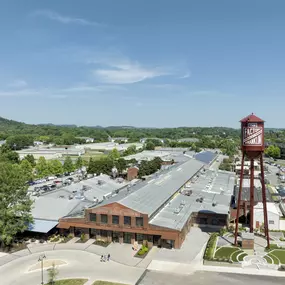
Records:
x=56, y=204
x=169, y=219
x=152, y=196
x=245, y=194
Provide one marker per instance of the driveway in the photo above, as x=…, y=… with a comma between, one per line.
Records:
x=80, y=264
x=191, y=247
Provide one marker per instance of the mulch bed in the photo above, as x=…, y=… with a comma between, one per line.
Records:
x=101, y=243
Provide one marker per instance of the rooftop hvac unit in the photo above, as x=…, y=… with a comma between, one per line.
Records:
x=70, y=197
x=177, y=211
x=84, y=187
x=200, y=200
x=182, y=203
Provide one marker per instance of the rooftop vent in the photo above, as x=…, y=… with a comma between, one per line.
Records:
x=177, y=210
x=200, y=200
x=214, y=204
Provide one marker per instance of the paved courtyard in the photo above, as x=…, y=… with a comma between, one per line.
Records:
x=208, y=278
x=78, y=264
x=191, y=247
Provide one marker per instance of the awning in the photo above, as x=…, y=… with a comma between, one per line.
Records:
x=42, y=226
x=63, y=226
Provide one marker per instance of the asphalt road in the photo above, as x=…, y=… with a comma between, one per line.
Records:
x=208, y=278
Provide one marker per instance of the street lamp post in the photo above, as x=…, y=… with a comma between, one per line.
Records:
x=41, y=259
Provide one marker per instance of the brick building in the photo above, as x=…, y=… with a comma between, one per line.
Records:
x=158, y=212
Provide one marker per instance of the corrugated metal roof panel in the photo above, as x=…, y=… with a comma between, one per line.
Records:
x=152, y=196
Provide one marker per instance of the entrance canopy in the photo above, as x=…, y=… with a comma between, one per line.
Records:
x=42, y=226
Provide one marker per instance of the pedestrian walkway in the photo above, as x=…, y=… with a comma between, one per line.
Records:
x=120, y=253
x=73, y=240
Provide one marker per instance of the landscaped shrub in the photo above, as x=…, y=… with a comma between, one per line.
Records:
x=223, y=231
x=209, y=252
x=82, y=237
x=143, y=250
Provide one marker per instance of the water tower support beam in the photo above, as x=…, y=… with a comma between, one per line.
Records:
x=264, y=201
x=251, y=194
x=239, y=196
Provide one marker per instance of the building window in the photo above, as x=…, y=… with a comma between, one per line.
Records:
x=271, y=222
x=139, y=221
x=127, y=220
x=104, y=219
x=92, y=217
x=115, y=219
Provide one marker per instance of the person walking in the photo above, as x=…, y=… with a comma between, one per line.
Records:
x=108, y=257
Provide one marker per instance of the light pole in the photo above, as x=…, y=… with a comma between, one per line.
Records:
x=41, y=259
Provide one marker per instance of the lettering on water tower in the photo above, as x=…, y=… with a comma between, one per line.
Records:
x=252, y=135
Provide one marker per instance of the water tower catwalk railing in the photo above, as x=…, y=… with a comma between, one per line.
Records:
x=252, y=147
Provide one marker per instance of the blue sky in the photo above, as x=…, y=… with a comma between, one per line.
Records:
x=156, y=63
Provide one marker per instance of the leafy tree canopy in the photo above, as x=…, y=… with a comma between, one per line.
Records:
x=15, y=204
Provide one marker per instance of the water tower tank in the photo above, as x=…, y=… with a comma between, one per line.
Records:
x=252, y=136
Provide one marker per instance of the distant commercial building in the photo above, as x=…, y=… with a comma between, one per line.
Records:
x=273, y=212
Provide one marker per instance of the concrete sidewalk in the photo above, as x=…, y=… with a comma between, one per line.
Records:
x=188, y=269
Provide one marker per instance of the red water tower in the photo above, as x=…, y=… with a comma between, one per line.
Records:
x=252, y=147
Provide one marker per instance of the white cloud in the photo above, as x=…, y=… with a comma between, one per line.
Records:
x=125, y=72
x=61, y=93
x=18, y=83
x=54, y=16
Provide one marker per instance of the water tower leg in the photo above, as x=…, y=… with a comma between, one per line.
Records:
x=264, y=201
x=251, y=194
x=239, y=197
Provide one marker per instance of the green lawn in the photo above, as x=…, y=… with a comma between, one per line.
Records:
x=225, y=252
x=70, y=282
x=280, y=254
x=273, y=258
x=99, y=282
x=238, y=256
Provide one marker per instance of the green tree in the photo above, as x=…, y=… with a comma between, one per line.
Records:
x=114, y=154
x=52, y=274
x=6, y=154
x=42, y=167
x=15, y=204
x=150, y=145
x=273, y=151
x=19, y=141
x=55, y=167
x=27, y=169
x=79, y=162
x=121, y=165
x=68, y=165
x=103, y=165
x=132, y=149
x=30, y=158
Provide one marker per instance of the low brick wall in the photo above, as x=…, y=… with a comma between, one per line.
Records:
x=220, y=263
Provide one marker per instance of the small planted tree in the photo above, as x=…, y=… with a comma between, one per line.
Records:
x=52, y=274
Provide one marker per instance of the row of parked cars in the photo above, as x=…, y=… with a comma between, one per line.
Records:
x=51, y=178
